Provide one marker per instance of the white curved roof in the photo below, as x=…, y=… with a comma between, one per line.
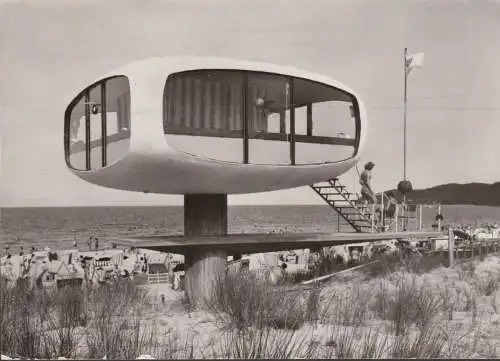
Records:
x=160, y=67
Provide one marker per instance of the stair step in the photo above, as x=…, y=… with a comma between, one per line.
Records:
x=345, y=204
x=335, y=185
x=350, y=210
x=355, y=216
x=330, y=186
x=358, y=214
x=361, y=217
x=329, y=193
x=350, y=207
x=363, y=223
x=345, y=207
x=361, y=220
x=342, y=200
x=343, y=194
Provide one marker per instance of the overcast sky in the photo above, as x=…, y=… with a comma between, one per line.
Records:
x=51, y=49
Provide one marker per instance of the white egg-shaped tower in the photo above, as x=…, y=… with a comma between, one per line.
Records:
x=184, y=125
x=206, y=128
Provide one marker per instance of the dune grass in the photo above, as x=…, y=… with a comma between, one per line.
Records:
x=391, y=310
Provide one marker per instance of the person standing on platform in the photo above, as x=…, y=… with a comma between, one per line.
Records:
x=365, y=179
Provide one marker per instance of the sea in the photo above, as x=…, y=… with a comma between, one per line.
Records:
x=59, y=227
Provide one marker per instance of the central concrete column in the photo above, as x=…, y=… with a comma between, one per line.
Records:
x=204, y=215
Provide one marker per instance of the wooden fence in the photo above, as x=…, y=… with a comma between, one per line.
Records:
x=157, y=277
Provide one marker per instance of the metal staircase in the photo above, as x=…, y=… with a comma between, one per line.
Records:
x=343, y=202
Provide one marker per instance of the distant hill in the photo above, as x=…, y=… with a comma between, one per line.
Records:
x=453, y=193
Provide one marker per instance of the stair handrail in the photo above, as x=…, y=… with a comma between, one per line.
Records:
x=369, y=216
x=332, y=184
x=352, y=202
x=365, y=213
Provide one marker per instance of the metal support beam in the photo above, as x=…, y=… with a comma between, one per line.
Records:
x=87, y=130
x=104, y=125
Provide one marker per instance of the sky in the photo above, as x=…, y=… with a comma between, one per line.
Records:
x=50, y=49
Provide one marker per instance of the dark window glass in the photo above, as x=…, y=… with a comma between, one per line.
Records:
x=268, y=117
x=97, y=124
x=282, y=120
x=326, y=123
x=77, y=137
x=204, y=103
x=117, y=118
x=96, y=135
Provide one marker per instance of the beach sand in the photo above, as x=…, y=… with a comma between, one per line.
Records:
x=471, y=331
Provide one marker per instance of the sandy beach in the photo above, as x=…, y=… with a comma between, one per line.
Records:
x=351, y=315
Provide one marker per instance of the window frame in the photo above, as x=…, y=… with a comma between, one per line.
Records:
x=105, y=139
x=246, y=134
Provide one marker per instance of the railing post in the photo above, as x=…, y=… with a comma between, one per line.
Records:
x=382, y=211
x=451, y=246
x=420, y=217
x=439, y=218
x=373, y=217
x=396, y=219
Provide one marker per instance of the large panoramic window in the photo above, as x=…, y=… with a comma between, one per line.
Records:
x=97, y=125
x=259, y=118
x=326, y=123
x=268, y=118
x=204, y=103
x=203, y=114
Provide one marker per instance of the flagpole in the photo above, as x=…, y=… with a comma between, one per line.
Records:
x=404, y=132
x=404, y=111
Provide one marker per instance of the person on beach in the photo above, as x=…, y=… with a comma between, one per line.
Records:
x=365, y=178
x=89, y=243
x=390, y=205
x=96, y=243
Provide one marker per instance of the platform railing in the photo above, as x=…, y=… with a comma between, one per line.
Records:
x=158, y=277
x=406, y=217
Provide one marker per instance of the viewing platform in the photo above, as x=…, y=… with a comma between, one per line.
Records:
x=258, y=242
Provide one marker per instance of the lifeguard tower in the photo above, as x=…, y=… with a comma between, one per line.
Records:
x=209, y=127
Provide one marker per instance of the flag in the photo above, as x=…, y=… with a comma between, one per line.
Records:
x=415, y=60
